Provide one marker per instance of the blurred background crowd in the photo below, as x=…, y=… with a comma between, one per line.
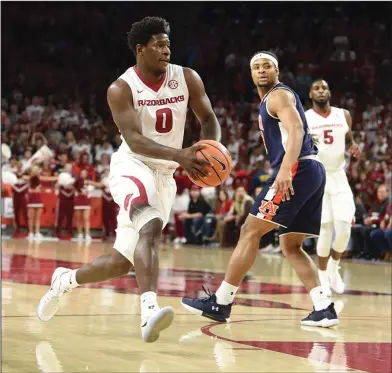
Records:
x=55, y=74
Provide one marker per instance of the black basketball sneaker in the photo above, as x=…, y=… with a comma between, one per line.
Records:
x=325, y=318
x=208, y=307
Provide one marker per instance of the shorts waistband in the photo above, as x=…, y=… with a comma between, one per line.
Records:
x=311, y=156
x=335, y=170
x=162, y=170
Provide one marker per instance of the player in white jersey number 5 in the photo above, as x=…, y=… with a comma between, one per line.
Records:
x=331, y=127
x=149, y=105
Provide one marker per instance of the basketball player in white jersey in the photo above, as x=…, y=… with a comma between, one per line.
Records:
x=149, y=105
x=331, y=128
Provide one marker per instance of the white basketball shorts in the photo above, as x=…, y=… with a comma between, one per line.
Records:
x=338, y=200
x=142, y=194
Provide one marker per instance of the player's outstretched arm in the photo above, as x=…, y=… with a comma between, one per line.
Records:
x=353, y=148
x=281, y=104
x=120, y=101
x=201, y=106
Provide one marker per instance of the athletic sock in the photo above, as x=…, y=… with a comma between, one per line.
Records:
x=148, y=304
x=68, y=280
x=319, y=299
x=323, y=275
x=73, y=281
x=226, y=293
x=333, y=264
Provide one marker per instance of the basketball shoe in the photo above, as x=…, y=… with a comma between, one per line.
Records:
x=50, y=302
x=325, y=318
x=208, y=307
x=155, y=321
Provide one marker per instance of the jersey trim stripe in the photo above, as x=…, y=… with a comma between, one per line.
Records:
x=284, y=134
x=274, y=89
x=155, y=87
x=325, y=116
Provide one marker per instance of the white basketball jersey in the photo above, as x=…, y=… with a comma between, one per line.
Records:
x=162, y=110
x=330, y=133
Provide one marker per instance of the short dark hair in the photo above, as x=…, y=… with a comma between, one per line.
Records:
x=270, y=53
x=319, y=80
x=142, y=31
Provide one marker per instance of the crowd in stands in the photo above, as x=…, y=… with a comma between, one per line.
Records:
x=54, y=94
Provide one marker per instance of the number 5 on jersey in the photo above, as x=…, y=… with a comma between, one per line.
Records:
x=164, y=123
x=328, y=138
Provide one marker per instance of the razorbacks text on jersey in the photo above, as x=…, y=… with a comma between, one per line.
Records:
x=161, y=108
x=275, y=136
x=330, y=132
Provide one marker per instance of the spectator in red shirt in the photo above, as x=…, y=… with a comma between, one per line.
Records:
x=241, y=178
x=377, y=174
x=213, y=224
x=84, y=164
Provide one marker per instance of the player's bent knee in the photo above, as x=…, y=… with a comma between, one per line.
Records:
x=126, y=241
x=150, y=233
x=256, y=228
x=342, y=232
x=153, y=227
x=289, y=250
x=291, y=244
x=119, y=265
x=248, y=232
x=324, y=240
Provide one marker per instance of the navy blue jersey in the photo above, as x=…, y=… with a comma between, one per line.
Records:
x=275, y=136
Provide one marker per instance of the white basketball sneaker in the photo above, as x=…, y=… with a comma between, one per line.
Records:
x=155, y=322
x=335, y=279
x=50, y=302
x=324, y=282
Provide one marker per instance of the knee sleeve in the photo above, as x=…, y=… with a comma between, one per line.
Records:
x=126, y=241
x=324, y=240
x=342, y=236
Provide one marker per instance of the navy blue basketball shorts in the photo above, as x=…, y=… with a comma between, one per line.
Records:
x=302, y=214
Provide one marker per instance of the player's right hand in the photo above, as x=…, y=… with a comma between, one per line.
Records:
x=194, y=166
x=283, y=184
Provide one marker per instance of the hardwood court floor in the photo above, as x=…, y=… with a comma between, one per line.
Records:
x=97, y=328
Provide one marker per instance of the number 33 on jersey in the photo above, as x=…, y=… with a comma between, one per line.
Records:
x=330, y=135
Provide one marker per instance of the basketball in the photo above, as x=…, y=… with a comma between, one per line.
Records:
x=221, y=161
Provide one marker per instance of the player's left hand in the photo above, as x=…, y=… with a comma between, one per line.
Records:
x=283, y=184
x=355, y=151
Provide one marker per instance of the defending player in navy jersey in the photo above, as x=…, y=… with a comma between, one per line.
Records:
x=292, y=199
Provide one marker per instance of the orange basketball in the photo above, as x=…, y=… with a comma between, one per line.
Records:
x=220, y=158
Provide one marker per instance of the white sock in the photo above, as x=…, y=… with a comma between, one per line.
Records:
x=73, y=281
x=148, y=304
x=323, y=275
x=226, y=293
x=68, y=280
x=319, y=299
x=333, y=264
